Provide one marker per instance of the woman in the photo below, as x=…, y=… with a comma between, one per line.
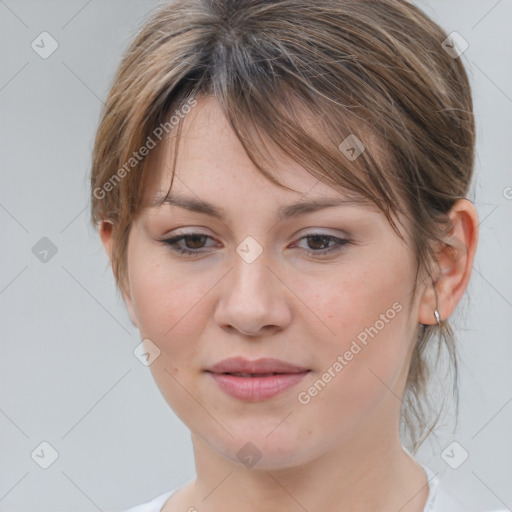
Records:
x=280, y=187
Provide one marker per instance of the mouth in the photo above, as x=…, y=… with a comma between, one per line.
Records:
x=255, y=381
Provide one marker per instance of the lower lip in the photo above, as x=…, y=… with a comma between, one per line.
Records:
x=254, y=389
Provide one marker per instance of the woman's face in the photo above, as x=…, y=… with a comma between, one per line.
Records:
x=336, y=305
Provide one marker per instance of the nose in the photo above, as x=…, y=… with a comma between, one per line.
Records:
x=253, y=299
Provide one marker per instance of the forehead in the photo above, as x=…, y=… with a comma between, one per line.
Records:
x=211, y=158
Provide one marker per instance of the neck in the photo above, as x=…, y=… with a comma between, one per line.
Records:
x=365, y=472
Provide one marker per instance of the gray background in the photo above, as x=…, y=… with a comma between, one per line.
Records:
x=68, y=373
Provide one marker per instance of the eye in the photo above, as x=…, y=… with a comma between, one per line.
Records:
x=320, y=244
x=193, y=241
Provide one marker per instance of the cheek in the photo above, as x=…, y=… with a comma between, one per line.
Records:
x=170, y=309
x=355, y=300
x=168, y=303
x=367, y=341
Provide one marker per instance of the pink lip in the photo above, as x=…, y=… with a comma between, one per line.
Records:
x=280, y=376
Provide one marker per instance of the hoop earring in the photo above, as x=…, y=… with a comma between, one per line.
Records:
x=436, y=312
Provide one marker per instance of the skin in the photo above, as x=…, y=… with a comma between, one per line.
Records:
x=304, y=309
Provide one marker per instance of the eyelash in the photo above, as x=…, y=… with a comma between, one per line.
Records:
x=340, y=243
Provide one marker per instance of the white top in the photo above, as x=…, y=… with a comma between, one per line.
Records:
x=439, y=500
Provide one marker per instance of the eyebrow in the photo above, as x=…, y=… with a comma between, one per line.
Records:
x=285, y=212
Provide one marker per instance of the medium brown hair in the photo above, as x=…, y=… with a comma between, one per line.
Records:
x=374, y=69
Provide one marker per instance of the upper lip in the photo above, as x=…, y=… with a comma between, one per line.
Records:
x=263, y=365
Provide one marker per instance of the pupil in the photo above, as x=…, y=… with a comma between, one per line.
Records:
x=317, y=239
x=194, y=239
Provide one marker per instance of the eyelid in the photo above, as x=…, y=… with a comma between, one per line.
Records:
x=200, y=231
x=338, y=233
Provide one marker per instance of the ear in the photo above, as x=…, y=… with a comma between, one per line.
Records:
x=107, y=239
x=454, y=263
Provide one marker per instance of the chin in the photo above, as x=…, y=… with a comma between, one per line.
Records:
x=264, y=447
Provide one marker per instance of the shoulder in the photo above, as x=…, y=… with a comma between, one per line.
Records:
x=155, y=505
x=440, y=499
x=444, y=501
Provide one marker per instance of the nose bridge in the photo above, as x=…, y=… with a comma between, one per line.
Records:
x=250, y=284
x=250, y=268
x=250, y=299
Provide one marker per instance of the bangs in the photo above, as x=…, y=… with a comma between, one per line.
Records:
x=334, y=145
